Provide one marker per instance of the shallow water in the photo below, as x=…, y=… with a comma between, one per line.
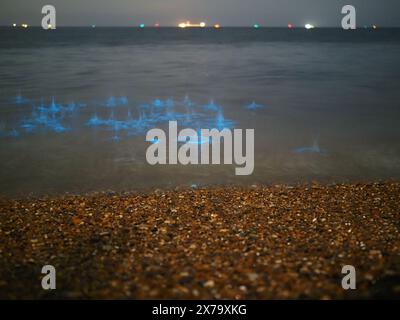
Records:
x=75, y=104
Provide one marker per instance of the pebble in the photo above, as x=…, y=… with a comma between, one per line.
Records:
x=262, y=242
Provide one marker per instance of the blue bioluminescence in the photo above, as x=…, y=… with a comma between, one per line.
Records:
x=222, y=123
x=95, y=121
x=211, y=106
x=111, y=102
x=158, y=103
x=139, y=125
x=47, y=117
x=129, y=116
x=19, y=99
x=123, y=101
x=154, y=141
x=187, y=102
x=312, y=149
x=169, y=103
x=198, y=139
x=52, y=116
x=54, y=107
x=56, y=126
x=254, y=106
x=12, y=133
x=71, y=107
x=28, y=127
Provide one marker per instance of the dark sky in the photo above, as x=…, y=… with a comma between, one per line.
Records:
x=226, y=12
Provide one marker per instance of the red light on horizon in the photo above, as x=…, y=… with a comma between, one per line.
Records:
x=157, y=25
x=290, y=26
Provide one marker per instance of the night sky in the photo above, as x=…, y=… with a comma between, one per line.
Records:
x=323, y=13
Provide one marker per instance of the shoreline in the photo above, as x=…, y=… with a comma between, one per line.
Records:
x=147, y=190
x=259, y=242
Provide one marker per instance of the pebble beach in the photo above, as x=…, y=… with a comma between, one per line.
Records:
x=259, y=242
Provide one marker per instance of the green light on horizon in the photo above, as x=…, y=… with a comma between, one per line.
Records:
x=141, y=25
x=256, y=26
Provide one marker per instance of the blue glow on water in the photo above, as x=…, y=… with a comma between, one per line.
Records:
x=169, y=103
x=188, y=103
x=254, y=106
x=54, y=107
x=28, y=127
x=71, y=107
x=19, y=99
x=57, y=127
x=154, y=141
x=129, y=116
x=211, y=106
x=13, y=133
x=315, y=148
x=158, y=103
x=111, y=102
x=199, y=140
x=95, y=121
x=222, y=123
x=123, y=101
x=46, y=117
x=129, y=121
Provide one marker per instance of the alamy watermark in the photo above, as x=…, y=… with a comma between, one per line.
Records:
x=49, y=280
x=49, y=20
x=349, y=280
x=196, y=148
x=349, y=20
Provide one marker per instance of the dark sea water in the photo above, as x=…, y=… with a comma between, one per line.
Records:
x=75, y=104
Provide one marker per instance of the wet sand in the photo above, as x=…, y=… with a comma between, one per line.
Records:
x=277, y=242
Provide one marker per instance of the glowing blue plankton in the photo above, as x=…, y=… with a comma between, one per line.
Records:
x=198, y=139
x=254, y=106
x=19, y=99
x=158, y=103
x=95, y=121
x=112, y=102
x=54, y=107
x=72, y=107
x=28, y=127
x=47, y=117
x=123, y=101
x=154, y=141
x=13, y=133
x=138, y=126
x=222, y=123
x=211, y=106
x=188, y=103
x=315, y=148
x=56, y=126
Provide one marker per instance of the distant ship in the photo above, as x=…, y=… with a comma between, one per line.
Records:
x=187, y=24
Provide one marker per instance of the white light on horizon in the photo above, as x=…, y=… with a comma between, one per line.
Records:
x=309, y=26
x=187, y=24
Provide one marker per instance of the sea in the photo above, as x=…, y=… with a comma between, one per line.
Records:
x=76, y=104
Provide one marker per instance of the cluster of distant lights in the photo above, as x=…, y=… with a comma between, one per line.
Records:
x=188, y=24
